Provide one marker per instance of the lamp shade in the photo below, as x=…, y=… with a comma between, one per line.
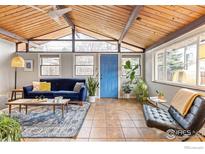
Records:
x=17, y=61
x=202, y=51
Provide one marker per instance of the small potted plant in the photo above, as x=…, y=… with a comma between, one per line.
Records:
x=126, y=88
x=160, y=94
x=92, y=86
x=10, y=129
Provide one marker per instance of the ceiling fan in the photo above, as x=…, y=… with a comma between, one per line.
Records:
x=54, y=13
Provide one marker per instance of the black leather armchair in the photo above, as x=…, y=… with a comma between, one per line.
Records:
x=171, y=119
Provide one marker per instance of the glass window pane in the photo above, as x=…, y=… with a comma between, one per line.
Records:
x=133, y=60
x=50, y=61
x=190, y=64
x=202, y=72
x=84, y=60
x=96, y=46
x=50, y=70
x=160, y=66
x=51, y=46
x=84, y=70
x=202, y=60
x=175, y=65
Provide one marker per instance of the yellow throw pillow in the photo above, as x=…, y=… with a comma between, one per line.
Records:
x=45, y=86
x=36, y=86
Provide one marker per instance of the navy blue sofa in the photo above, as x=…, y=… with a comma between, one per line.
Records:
x=59, y=87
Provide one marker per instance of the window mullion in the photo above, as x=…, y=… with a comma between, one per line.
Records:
x=165, y=66
x=197, y=61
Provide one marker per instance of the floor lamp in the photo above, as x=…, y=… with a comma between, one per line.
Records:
x=17, y=62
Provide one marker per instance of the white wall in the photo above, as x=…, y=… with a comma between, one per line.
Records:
x=7, y=49
x=67, y=68
x=26, y=78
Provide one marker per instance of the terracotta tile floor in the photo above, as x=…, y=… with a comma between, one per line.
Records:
x=115, y=120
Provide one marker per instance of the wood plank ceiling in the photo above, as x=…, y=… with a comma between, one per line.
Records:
x=152, y=24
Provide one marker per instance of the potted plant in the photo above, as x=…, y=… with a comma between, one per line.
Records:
x=92, y=86
x=130, y=76
x=141, y=90
x=10, y=129
x=160, y=94
x=126, y=88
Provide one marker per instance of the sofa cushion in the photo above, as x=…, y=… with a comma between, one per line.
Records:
x=47, y=94
x=66, y=94
x=45, y=86
x=78, y=86
x=36, y=86
x=159, y=118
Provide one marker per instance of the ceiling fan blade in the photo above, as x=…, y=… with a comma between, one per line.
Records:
x=59, y=13
x=37, y=8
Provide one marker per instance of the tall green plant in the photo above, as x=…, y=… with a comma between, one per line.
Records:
x=92, y=85
x=130, y=71
x=10, y=129
x=141, y=90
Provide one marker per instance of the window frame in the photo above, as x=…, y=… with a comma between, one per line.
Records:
x=75, y=65
x=178, y=84
x=40, y=65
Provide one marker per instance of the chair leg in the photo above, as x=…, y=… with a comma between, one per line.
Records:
x=186, y=139
x=198, y=134
x=201, y=134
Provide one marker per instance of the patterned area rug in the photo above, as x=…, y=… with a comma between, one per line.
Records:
x=42, y=122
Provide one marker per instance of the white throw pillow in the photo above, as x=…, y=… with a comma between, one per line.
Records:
x=36, y=86
x=78, y=86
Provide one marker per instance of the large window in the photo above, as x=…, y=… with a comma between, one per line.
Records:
x=49, y=65
x=84, y=65
x=182, y=63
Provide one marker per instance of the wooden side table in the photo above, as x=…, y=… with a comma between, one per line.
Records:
x=156, y=102
x=14, y=92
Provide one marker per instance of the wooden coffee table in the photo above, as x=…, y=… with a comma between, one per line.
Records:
x=32, y=102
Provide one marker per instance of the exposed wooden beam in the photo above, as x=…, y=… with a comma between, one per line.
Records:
x=131, y=19
x=66, y=16
x=16, y=37
x=193, y=25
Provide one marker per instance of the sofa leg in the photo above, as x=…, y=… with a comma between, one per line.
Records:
x=81, y=103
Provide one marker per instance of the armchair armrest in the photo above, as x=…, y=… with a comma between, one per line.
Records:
x=83, y=93
x=26, y=90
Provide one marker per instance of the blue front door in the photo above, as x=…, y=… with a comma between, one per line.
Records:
x=109, y=76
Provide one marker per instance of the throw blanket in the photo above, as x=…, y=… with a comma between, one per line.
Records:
x=183, y=100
